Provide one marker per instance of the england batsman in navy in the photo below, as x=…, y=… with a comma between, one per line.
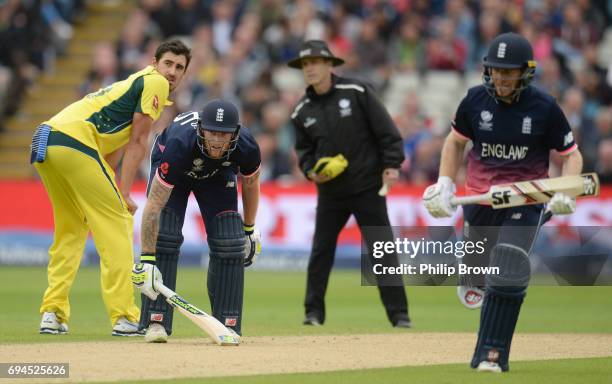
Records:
x=513, y=126
x=200, y=153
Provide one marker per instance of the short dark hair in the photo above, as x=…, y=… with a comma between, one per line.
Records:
x=175, y=46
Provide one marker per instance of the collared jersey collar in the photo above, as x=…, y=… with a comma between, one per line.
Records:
x=310, y=92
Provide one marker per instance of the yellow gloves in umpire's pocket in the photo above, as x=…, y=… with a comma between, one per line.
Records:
x=330, y=167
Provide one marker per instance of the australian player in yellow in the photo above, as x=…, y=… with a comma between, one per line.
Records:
x=75, y=153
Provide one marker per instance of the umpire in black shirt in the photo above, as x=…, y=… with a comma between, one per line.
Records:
x=349, y=146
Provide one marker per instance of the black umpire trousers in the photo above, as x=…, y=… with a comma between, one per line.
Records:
x=370, y=210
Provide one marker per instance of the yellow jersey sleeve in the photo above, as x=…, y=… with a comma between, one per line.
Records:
x=154, y=96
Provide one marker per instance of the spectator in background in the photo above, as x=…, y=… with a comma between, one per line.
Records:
x=281, y=43
x=603, y=132
x=372, y=54
x=275, y=120
x=574, y=30
x=248, y=56
x=427, y=161
x=222, y=25
x=489, y=26
x=32, y=35
x=465, y=25
x=588, y=80
x=339, y=41
x=103, y=69
x=408, y=49
x=572, y=106
x=414, y=127
x=594, y=132
x=541, y=40
x=504, y=10
x=604, y=161
x=61, y=30
x=132, y=43
x=590, y=54
x=159, y=12
x=256, y=37
x=275, y=163
x=445, y=51
x=185, y=15
x=386, y=17
x=603, y=123
x=550, y=79
x=271, y=12
x=347, y=23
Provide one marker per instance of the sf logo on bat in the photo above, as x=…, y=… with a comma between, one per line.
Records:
x=500, y=197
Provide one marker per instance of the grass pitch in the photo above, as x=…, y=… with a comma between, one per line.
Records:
x=273, y=306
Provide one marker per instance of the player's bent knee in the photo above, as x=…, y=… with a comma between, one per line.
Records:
x=226, y=236
x=170, y=236
x=513, y=270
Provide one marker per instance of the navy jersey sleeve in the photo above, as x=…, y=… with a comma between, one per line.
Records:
x=172, y=162
x=560, y=135
x=461, y=124
x=250, y=158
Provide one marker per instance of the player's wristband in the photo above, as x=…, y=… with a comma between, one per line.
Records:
x=147, y=258
x=249, y=229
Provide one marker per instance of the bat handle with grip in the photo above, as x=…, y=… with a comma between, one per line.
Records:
x=467, y=200
x=161, y=288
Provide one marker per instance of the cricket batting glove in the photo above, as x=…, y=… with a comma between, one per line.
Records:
x=437, y=198
x=253, y=244
x=331, y=167
x=144, y=277
x=561, y=204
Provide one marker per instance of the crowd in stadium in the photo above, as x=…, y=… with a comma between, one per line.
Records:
x=32, y=34
x=240, y=49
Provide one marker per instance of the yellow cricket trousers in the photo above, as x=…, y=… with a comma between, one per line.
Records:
x=85, y=197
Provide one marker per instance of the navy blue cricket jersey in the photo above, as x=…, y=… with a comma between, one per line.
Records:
x=512, y=142
x=179, y=159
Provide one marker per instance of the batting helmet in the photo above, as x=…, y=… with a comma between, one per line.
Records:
x=218, y=116
x=509, y=51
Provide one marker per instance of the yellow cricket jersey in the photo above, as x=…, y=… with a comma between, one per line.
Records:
x=103, y=119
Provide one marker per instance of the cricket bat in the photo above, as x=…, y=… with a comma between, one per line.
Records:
x=534, y=191
x=218, y=332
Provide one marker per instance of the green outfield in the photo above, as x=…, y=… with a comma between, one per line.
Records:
x=592, y=371
x=273, y=306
